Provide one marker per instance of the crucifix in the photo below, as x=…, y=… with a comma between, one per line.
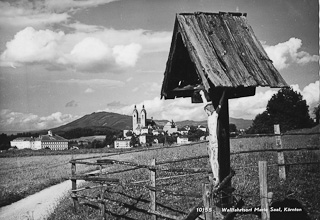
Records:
x=213, y=150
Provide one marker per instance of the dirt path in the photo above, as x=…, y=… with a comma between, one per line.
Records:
x=40, y=205
x=36, y=206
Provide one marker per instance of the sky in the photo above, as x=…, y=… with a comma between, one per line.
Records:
x=63, y=59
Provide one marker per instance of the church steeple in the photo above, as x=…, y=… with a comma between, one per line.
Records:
x=135, y=117
x=143, y=117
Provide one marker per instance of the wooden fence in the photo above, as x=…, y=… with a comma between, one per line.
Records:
x=152, y=187
x=205, y=206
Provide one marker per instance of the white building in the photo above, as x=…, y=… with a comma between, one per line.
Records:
x=122, y=144
x=202, y=128
x=183, y=131
x=170, y=127
x=53, y=142
x=143, y=139
x=26, y=143
x=182, y=140
x=139, y=123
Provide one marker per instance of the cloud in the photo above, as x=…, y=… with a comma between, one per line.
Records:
x=310, y=93
x=286, y=53
x=249, y=107
x=17, y=121
x=64, y=5
x=126, y=55
x=79, y=27
x=89, y=90
x=105, y=50
x=71, y=104
x=94, y=82
x=115, y=104
x=23, y=13
x=29, y=46
x=178, y=109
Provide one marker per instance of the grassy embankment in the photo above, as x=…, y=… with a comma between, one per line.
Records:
x=302, y=181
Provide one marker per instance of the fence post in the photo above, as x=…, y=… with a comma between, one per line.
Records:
x=102, y=203
x=265, y=212
x=207, y=202
x=153, y=192
x=281, y=161
x=74, y=186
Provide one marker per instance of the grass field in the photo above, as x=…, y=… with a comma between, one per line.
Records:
x=302, y=181
x=23, y=176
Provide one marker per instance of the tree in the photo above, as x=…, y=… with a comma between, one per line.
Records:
x=262, y=124
x=286, y=108
x=134, y=141
x=232, y=128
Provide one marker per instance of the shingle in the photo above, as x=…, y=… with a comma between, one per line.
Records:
x=221, y=50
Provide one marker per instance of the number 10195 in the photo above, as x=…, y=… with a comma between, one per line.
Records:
x=201, y=209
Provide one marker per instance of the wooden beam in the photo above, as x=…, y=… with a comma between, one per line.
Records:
x=74, y=187
x=223, y=140
x=265, y=213
x=281, y=161
x=153, y=192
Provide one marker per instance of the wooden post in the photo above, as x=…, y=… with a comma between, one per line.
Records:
x=102, y=204
x=207, y=201
x=265, y=213
x=281, y=161
x=223, y=143
x=74, y=187
x=152, y=192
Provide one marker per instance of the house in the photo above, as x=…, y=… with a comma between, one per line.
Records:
x=122, y=144
x=182, y=140
x=202, y=128
x=26, y=143
x=155, y=132
x=170, y=127
x=144, y=130
x=143, y=139
x=183, y=131
x=53, y=142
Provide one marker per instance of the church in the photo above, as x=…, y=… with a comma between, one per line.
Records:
x=140, y=123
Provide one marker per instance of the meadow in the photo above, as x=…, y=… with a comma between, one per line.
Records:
x=302, y=181
x=23, y=176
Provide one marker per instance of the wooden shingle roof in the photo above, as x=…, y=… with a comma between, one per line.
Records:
x=216, y=50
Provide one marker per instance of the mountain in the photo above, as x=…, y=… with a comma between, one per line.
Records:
x=121, y=122
x=99, y=119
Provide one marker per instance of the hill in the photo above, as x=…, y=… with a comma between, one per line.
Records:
x=99, y=119
x=120, y=122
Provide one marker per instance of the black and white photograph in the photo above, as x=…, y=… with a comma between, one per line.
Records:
x=159, y=109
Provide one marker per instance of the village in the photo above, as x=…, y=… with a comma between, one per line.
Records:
x=144, y=132
x=127, y=110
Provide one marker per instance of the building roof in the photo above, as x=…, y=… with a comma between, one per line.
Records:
x=52, y=138
x=135, y=110
x=216, y=50
x=23, y=139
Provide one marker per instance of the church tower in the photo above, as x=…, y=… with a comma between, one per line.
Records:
x=135, y=117
x=143, y=117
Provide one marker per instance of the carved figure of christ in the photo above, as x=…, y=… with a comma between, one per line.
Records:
x=212, y=147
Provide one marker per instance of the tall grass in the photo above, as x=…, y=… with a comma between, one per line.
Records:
x=302, y=181
x=23, y=176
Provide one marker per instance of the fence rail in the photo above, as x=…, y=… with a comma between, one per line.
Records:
x=103, y=179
